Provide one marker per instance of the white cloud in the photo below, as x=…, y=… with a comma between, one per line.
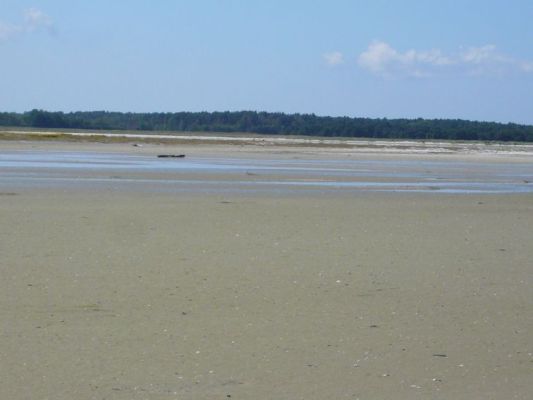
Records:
x=34, y=20
x=479, y=55
x=378, y=57
x=333, y=58
x=382, y=59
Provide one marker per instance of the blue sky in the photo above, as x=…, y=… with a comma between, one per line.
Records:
x=410, y=58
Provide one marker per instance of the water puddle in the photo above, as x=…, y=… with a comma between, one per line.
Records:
x=39, y=168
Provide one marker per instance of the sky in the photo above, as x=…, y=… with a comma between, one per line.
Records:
x=470, y=59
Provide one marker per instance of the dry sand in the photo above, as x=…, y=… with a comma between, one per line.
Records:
x=120, y=295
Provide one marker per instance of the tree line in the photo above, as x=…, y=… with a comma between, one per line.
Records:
x=274, y=124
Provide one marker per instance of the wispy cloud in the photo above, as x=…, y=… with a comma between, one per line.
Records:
x=382, y=59
x=333, y=58
x=526, y=66
x=34, y=20
x=8, y=30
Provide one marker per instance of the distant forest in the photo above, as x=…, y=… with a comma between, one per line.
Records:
x=274, y=124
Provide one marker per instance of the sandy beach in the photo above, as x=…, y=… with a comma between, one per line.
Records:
x=108, y=293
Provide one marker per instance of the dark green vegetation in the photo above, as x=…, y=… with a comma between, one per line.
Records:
x=274, y=124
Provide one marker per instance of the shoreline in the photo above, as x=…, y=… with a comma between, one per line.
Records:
x=358, y=146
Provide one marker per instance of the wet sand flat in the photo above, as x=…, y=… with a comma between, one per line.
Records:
x=111, y=294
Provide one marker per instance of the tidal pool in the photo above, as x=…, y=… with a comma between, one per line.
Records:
x=26, y=169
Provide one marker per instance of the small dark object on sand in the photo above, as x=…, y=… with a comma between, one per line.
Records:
x=440, y=355
x=171, y=156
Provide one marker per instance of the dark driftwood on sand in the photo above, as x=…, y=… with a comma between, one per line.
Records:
x=170, y=155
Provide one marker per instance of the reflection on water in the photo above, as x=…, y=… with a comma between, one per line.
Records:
x=121, y=171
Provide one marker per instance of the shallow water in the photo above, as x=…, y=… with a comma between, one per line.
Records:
x=26, y=169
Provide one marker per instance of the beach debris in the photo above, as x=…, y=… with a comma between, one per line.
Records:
x=137, y=145
x=171, y=156
x=440, y=355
